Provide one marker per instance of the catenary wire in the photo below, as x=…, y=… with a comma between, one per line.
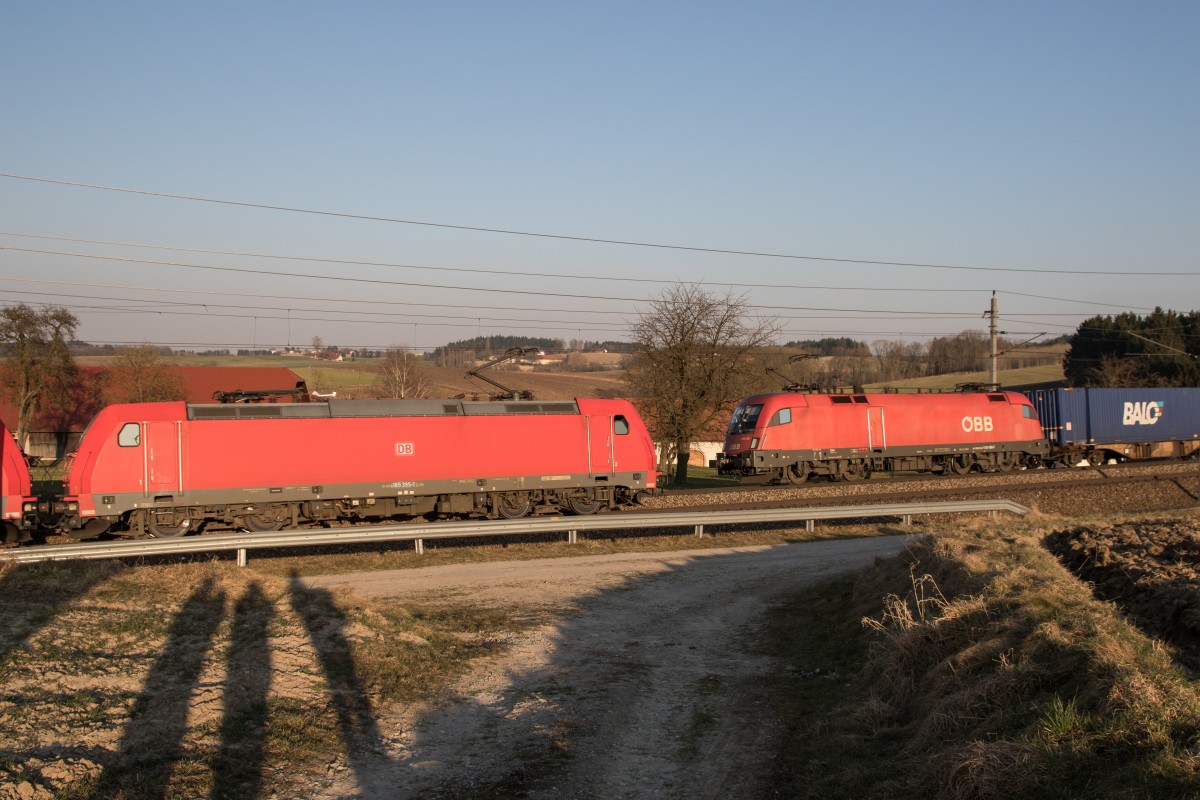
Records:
x=516, y=273
x=408, y=284
x=593, y=240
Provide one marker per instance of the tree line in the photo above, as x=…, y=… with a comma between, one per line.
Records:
x=1159, y=349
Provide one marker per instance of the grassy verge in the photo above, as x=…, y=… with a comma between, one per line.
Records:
x=702, y=478
x=206, y=680
x=979, y=667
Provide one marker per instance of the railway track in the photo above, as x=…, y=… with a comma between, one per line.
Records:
x=1083, y=492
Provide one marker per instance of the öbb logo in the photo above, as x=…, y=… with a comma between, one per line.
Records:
x=1147, y=413
x=976, y=424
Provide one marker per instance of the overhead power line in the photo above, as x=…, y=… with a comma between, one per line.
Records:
x=410, y=284
x=563, y=237
x=558, y=276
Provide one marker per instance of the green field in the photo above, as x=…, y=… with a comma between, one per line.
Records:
x=1007, y=377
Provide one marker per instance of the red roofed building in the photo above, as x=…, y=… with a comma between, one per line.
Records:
x=55, y=431
x=204, y=384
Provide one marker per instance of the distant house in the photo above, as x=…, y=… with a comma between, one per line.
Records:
x=703, y=451
x=55, y=432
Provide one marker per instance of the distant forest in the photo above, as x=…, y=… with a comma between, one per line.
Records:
x=456, y=354
x=842, y=346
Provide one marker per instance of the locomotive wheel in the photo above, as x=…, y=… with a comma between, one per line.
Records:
x=797, y=473
x=256, y=524
x=166, y=530
x=1005, y=462
x=855, y=471
x=959, y=465
x=583, y=505
x=513, y=506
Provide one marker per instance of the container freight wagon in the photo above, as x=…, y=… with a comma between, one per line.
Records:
x=164, y=469
x=1126, y=424
x=792, y=436
x=16, y=494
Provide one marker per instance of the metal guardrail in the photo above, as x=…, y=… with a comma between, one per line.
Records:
x=418, y=533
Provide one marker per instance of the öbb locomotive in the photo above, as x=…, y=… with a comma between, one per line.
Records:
x=166, y=469
x=792, y=436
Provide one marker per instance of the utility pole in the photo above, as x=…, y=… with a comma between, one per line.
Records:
x=994, y=359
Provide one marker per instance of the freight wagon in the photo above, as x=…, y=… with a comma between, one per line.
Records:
x=792, y=435
x=166, y=469
x=1126, y=424
x=17, y=503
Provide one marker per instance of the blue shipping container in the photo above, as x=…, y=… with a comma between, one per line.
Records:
x=1072, y=417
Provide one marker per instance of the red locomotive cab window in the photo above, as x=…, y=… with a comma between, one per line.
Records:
x=130, y=435
x=745, y=417
x=781, y=417
x=1028, y=412
x=620, y=425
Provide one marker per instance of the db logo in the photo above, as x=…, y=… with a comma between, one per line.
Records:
x=976, y=424
x=404, y=448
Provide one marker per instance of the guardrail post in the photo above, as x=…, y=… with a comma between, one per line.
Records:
x=420, y=545
x=241, y=557
x=572, y=537
x=906, y=519
x=810, y=525
x=700, y=531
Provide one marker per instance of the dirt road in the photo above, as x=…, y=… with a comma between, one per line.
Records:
x=635, y=684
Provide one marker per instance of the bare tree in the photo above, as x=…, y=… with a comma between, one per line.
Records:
x=1115, y=371
x=399, y=376
x=139, y=376
x=695, y=359
x=38, y=359
x=898, y=360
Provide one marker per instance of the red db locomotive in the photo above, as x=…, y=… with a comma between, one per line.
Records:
x=16, y=500
x=166, y=469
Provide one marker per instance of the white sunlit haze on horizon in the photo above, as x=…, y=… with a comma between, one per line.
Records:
x=873, y=170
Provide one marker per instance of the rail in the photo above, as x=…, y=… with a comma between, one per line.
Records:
x=698, y=521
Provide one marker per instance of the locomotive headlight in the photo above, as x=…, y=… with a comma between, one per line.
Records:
x=29, y=507
x=754, y=443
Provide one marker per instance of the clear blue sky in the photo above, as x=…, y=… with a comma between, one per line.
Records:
x=1054, y=137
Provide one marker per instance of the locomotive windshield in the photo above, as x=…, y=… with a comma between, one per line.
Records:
x=745, y=417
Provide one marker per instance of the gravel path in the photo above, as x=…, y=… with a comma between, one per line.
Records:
x=635, y=686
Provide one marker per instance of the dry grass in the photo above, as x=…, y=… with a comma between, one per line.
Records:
x=985, y=670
